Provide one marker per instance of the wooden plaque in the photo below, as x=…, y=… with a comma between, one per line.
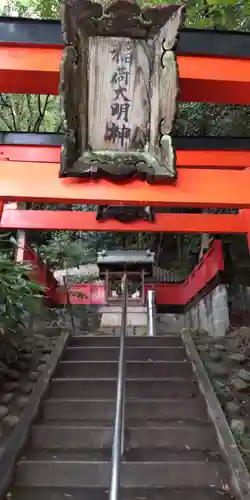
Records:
x=119, y=89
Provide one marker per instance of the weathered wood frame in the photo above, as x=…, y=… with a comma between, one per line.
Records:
x=91, y=30
x=124, y=214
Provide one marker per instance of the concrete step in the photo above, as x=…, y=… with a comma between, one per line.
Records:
x=125, y=494
x=152, y=409
x=136, y=353
x=102, y=341
x=114, y=309
x=134, y=455
x=134, y=369
x=64, y=474
x=76, y=436
x=88, y=388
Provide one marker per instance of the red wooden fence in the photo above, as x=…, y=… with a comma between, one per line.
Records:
x=172, y=294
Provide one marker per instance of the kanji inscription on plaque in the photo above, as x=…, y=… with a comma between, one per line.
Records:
x=119, y=88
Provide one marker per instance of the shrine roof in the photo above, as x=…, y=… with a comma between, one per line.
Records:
x=117, y=257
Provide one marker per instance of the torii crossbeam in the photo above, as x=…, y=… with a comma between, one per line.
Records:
x=86, y=221
x=35, y=70
x=29, y=181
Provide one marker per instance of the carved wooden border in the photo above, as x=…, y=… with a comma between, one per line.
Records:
x=155, y=161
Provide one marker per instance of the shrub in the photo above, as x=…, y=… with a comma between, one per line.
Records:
x=19, y=296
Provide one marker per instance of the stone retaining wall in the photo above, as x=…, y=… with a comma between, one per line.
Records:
x=239, y=299
x=211, y=313
x=51, y=321
x=169, y=323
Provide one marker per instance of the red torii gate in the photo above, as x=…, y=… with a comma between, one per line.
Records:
x=216, y=178
x=49, y=220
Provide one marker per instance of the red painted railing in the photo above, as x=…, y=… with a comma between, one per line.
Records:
x=94, y=293
x=181, y=293
x=41, y=273
x=83, y=293
x=172, y=294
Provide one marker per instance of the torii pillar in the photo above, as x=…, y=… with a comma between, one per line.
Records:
x=246, y=214
x=1, y=209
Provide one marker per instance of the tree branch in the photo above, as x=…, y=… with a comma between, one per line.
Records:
x=6, y=104
x=30, y=112
x=41, y=112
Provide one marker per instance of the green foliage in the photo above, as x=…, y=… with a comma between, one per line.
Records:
x=202, y=14
x=218, y=14
x=18, y=297
x=203, y=119
x=69, y=249
x=17, y=293
x=73, y=248
x=41, y=9
x=62, y=251
x=24, y=112
x=30, y=113
x=89, y=278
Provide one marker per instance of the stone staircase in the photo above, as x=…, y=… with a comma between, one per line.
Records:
x=170, y=445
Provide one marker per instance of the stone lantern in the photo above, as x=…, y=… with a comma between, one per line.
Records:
x=119, y=88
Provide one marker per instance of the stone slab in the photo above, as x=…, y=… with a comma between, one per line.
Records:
x=134, y=319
